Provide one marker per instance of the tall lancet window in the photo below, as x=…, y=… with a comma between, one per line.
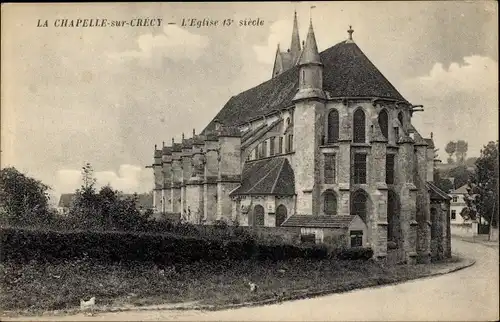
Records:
x=359, y=126
x=383, y=122
x=333, y=126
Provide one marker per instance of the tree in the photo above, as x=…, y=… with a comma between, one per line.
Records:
x=461, y=151
x=460, y=174
x=25, y=200
x=470, y=162
x=442, y=183
x=451, y=148
x=482, y=195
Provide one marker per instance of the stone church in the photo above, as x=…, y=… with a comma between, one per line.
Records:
x=326, y=144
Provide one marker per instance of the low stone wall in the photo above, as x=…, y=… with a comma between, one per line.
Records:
x=464, y=229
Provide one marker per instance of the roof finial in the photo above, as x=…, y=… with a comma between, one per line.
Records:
x=183, y=135
x=432, y=135
x=350, y=31
x=163, y=143
x=155, y=146
x=173, y=141
x=194, y=132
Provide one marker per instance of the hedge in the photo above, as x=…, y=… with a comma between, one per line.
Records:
x=23, y=245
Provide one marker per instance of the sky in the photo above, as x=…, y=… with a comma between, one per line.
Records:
x=107, y=95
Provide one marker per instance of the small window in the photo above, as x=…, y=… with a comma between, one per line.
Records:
x=389, y=169
x=356, y=238
x=272, y=146
x=359, y=169
x=453, y=214
x=455, y=199
x=264, y=149
x=280, y=147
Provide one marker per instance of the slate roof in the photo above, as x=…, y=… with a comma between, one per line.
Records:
x=272, y=176
x=436, y=193
x=318, y=221
x=347, y=73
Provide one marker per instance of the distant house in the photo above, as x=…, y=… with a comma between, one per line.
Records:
x=461, y=223
x=457, y=206
x=65, y=203
x=144, y=202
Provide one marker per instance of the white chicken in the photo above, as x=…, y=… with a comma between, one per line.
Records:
x=87, y=304
x=253, y=286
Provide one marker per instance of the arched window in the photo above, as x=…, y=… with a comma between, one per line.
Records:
x=333, y=126
x=400, y=118
x=330, y=203
x=359, y=202
x=280, y=215
x=258, y=213
x=359, y=126
x=383, y=122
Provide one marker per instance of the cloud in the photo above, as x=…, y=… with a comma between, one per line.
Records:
x=128, y=179
x=462, y=99
x=174, y=42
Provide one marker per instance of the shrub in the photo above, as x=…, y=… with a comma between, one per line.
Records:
x=355, y=253
x=23, y=245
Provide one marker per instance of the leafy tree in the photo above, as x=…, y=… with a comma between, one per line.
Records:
x=24, y=200
x=442, y=183
x=461, y=151
x=451, y=148
x=461, y=175
x=482, y=195
x=470, y=162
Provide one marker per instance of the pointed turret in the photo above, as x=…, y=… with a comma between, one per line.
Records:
x=295, y=44
x=310, y=70
x=310, y=54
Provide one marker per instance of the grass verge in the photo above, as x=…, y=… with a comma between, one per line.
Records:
x=37, y=287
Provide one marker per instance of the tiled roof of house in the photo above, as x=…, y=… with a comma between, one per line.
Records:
x=436, y=193
x=66, y=199
x=460, y=190
x=319, y=221
x=347, y=73
x=272, y=176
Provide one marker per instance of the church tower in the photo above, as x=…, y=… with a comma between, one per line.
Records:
x=283, y=61
x=308, y=126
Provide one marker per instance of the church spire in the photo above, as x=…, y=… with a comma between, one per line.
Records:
x=310, y=54
x=295, y=45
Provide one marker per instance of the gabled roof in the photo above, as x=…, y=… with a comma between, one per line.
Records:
x=460, y=190
x=318, y=221
x=347, y=73
x=66, y=199
x=436, y=193
x=271, y=176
